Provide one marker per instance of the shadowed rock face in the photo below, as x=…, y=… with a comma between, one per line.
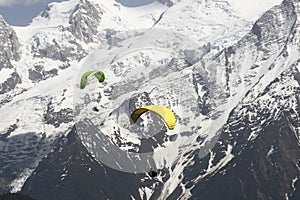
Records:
x=261, y=131
x=70, y=172
x=56, y=51
x=15, y=197
x=9, y=46
x=39, y=73
x=10, y=83
x=266, y=155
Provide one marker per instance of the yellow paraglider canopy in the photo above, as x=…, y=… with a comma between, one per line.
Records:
x=165, y=113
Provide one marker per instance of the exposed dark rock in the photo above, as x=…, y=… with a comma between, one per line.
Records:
x=39, y=73
x=14, y=196
x=11, y=129
x=56, y=51
x=84, y=21
x=20, y=152
x=9, y=45
x=57, y=118
x=70, y=173
x=10, y=83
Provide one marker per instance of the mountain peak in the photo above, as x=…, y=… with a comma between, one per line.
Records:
x=9, y=41
x=84, y=21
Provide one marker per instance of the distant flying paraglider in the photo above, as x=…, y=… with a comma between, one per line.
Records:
x=165, y=113
x=95, y=109
x=87, y=75
x=152, y=174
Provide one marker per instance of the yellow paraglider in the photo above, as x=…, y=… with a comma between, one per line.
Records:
x=165, y=113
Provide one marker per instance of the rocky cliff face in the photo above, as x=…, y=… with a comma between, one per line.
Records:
x=9, y=48
x=84, y=21
x=10, y=44
x=257, y=154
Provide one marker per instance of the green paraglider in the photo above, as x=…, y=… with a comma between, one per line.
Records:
x=87, y=75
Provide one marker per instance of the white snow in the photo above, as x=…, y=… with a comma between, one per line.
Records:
x=227, y=158
x=5, y=74
x=294, y=182
x=18, y=183
x=253, y=9
x=271, y=151
x=118, y=17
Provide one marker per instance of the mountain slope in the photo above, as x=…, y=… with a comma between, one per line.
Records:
x=39, y=111
x=237, y=106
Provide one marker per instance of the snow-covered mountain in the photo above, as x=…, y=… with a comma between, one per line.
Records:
x=229, y=71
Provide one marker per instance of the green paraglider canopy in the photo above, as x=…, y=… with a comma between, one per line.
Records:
x=87, y=75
